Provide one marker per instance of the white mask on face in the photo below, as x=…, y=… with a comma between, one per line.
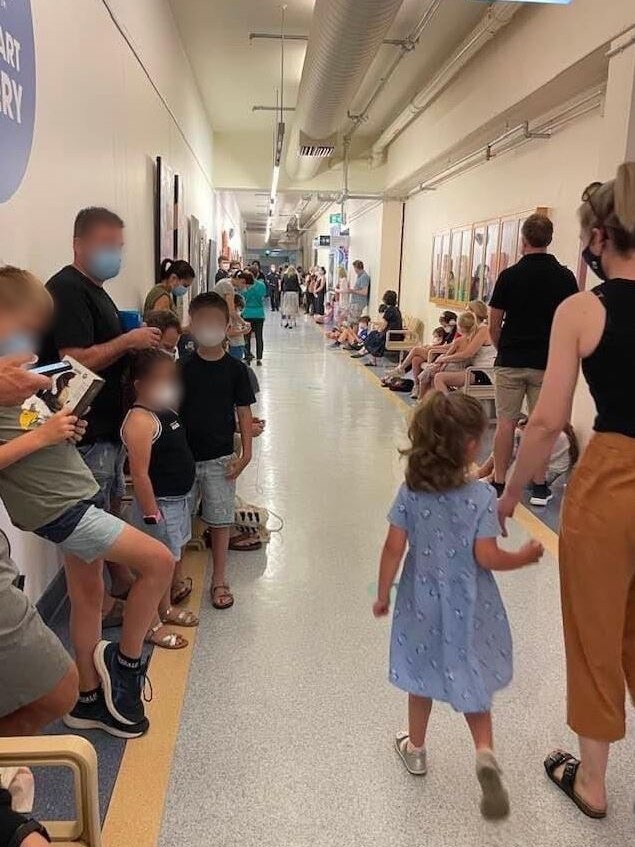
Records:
x=210, y=336
x=166, y=396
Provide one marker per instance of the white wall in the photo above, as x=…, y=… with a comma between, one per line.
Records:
x=99, y=126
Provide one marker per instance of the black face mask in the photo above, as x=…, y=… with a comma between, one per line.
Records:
x=595, y=263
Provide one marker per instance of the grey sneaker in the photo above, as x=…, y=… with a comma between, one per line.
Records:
x=495, y=800
x=416, y=763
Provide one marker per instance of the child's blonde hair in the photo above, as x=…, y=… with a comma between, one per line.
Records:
x=20, y=289
x=440, y=431
x=467, y=324
x=478, y=308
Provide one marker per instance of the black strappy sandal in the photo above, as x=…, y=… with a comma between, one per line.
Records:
x=567, y=782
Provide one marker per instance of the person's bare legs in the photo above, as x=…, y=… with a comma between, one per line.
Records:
x=480, y=724
x=121, y=577
x=445, y=380
x=85, y=584
x=417, y=364
x=219, y=547
x=415, y=353
x=153, y=565
x=32, y=718
x=503, y=447
x=590, y=780
x=419, y=709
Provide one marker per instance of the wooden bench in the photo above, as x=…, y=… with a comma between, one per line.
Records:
x=68, y=751
x=403, y=340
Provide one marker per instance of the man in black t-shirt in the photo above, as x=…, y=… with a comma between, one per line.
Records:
x=273, y=284
x=522, y=309
x=216, y=390
x=87, y=327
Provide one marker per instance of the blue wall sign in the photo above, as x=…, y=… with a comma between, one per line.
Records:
x=17, y=93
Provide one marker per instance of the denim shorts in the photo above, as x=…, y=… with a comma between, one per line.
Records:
x=106, y=460
x=94, y=535
x=175, y=530
x=217, y=493
x=237, y=351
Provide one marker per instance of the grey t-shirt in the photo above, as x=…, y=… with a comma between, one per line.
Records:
x=362, y=282
x=224, y=287
x=42, y=486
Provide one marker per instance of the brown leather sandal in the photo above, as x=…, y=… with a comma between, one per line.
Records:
x=226, y=599
x=566, y=783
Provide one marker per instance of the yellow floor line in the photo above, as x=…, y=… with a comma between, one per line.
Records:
x=136, y=806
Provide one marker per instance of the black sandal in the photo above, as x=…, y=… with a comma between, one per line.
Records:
x=567, y=782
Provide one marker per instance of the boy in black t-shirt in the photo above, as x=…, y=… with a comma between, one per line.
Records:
x=216, y=389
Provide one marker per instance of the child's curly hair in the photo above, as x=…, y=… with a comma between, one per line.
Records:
x=440, y=431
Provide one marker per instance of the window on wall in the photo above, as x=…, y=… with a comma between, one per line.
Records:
x=466, y=261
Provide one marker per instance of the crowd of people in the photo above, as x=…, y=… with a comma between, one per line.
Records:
x=528, y=344
x=175, y=407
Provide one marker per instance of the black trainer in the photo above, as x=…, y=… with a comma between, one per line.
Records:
x=123, y=687
x=95, y=715
x=540, y=494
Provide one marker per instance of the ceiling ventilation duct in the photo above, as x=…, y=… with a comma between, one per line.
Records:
x=344, y=39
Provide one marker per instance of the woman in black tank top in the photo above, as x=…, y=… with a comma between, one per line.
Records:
x=597, y=533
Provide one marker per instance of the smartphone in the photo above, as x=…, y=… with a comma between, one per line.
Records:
x=52, y=370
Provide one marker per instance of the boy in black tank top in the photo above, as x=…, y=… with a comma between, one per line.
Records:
x=163, y=472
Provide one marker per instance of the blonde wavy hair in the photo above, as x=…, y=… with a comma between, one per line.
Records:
x=468, y=324
x=611, y=206
x=479, y=309
x=440, y=432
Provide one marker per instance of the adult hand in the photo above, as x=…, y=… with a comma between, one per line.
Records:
x=143, y=338
x=16, y=382
x=61, y=427
x=532, y=551
x=506, y=508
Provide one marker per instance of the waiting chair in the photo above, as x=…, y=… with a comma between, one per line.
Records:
x=69, y=751
x=484, y=393
x=403, y=340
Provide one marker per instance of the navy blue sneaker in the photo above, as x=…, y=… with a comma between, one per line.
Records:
x=95, y=715
x=123, y=687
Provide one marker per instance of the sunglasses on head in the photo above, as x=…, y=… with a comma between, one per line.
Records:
x=589, y=193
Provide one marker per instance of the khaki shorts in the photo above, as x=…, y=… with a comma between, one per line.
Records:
x=512, y=386
x=32, y=659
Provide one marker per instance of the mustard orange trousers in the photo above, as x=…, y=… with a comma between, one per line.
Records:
x=597, y=581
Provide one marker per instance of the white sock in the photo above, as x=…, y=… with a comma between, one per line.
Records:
x=410, y=748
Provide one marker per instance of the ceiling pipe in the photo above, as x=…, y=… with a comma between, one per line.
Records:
x=343, y=42
x=272, y=36
x=407, y=46
x=497, y=17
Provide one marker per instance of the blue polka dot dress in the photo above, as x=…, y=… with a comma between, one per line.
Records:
x=450, y=635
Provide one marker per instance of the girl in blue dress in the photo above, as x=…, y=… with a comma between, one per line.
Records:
x=450, y=635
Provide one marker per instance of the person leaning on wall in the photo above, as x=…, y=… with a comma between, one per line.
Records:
x=87, y=326
x=597, y=534
x=38, y=679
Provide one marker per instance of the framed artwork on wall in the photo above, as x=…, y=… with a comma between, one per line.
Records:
x=467, y=260
x=164, y=206
x=180, y=220
x=194, y=254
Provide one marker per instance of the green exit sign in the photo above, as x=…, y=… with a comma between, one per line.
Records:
x=336, y=218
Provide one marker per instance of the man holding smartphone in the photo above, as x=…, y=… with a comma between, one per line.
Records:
x=87, y=326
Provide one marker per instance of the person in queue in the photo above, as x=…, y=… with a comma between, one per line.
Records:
x=48, y=490
x=170, y=328
x=273, y=284
x=175, y=280
x=522, y=309
x=223, y=269
x=597, y=539
x=87, y=326
x=39, y=679
x=254, y=292
x=359, y=292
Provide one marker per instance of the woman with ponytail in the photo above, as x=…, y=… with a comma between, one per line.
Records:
x=175, y=278
x=597, y=533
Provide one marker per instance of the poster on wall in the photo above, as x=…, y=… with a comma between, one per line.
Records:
x=435, y=279
x=194, y=254
x=17, y=93
x=492, y=261
x=164, y=213
x=509, y=244
x=202, y=258
x=478, y=262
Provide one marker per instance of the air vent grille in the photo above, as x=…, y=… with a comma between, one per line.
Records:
x=316, y=148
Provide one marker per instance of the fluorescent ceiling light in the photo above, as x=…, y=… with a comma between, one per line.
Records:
x=274, y=183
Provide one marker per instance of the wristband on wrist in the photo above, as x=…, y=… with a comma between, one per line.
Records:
x=152, y=520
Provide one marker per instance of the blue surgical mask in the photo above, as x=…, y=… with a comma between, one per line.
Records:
x=19, y=342
x=105, y=264
x=180, y=291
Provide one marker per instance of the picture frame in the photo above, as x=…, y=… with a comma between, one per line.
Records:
x=194, y=253
x=164, y=237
